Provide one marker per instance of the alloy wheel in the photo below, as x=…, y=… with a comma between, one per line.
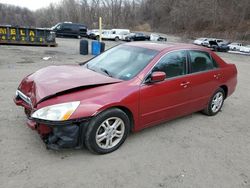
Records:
x=110, y=133
x=217, y=102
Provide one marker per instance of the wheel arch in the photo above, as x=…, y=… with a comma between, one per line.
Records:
x=225, y=89
x=129, y=114
x=127, y=111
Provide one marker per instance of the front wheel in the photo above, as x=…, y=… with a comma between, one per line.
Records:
x=215, y=104
x=107, y=131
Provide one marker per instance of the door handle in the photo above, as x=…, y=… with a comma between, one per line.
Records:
x=185, y=84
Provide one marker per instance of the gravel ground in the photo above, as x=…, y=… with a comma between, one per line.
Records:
x=193, y=151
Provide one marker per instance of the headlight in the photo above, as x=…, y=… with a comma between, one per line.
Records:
x=58, y=112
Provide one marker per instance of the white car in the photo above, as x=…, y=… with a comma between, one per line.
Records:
x=116, y=34
x=245, y=49
x=235, y=46
x=200, y=41
x=156, y=37
x=207, y=44
x=95, y=33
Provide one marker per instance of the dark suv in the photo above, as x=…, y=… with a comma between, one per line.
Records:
x=68, y=29
x=137, y=37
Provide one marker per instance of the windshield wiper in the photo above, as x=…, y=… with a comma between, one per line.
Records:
x=106, y=72
x=87, y=66
x=101, y=69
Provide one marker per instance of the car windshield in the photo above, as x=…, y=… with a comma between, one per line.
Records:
x=123, y=62
x=55, y=26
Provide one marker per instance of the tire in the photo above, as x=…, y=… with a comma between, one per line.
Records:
x=111, y=136
x=116, y=39
x=214, y=107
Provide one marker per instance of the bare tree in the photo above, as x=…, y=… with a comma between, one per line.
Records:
x=226, y=18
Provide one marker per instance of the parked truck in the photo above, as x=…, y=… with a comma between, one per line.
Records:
x=116, y=34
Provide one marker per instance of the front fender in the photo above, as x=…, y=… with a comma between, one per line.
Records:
x=90, y=109
x=95, y=100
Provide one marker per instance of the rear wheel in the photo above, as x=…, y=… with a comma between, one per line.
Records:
x=116, y=39
x=215, y=104
x=107, y=131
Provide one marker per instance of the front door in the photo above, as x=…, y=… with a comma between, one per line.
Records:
x=170, y=98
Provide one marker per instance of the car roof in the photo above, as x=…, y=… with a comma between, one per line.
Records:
x=166, y=46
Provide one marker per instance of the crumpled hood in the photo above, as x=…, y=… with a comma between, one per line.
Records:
x=56, y=79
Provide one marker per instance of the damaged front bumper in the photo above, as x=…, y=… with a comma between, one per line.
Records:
x=58, y=135
x=55, y=134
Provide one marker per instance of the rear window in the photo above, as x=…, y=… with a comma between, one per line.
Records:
x=201, y=61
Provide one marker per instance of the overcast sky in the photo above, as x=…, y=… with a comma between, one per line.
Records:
x=31, y=4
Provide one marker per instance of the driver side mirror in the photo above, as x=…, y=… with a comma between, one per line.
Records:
x=157, y=76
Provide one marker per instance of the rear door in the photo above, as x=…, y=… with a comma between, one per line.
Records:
x=82, y=30
x=170, y=98
x=204, y=76
x=75, y=29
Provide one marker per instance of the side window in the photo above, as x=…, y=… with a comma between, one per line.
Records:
x=59, y=26
x=66, y=26
x=75, y=27
x=173, y=64
x=201, y=61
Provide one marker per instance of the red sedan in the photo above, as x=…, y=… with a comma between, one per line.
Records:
x=127, y=88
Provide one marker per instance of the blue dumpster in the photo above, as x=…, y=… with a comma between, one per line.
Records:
x=96, y=47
